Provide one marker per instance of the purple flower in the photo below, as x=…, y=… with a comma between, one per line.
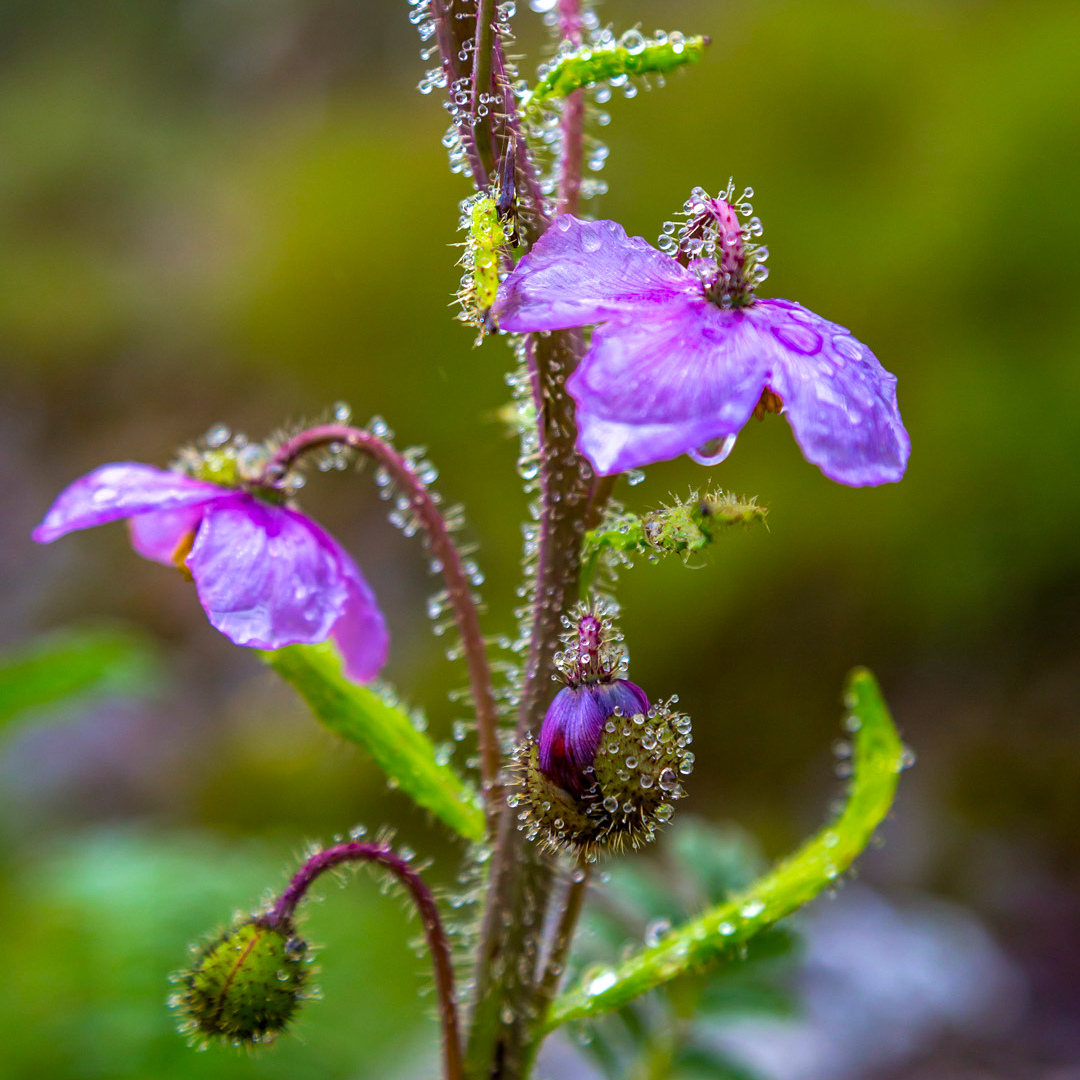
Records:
x=574, y=724
x=266, y=575
x=684, y=355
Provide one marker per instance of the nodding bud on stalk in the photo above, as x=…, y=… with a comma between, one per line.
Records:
x=606, y=768
x=246, y=985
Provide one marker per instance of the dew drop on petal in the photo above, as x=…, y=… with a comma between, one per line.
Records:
x=714, y=451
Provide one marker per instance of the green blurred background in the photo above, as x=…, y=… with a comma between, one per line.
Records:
x=239, y=211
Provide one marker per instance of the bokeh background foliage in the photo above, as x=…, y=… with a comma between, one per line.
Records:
x=237, y=210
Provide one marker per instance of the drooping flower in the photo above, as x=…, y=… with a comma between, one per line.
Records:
x=266, y=575
x=684, y=353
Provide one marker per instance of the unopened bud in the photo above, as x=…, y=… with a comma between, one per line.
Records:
x=246, y=986
x=625, y=794
x=606, y=767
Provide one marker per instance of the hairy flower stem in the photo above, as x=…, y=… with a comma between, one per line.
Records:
x=483, y=90
x=520, y=882
x=564, y=934
x=573, y=119
x=282, y=912
x=560, y=950
x=424, y=506
x=531, y=198
x=453, y=20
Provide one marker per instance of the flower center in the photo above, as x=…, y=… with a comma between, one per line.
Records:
x=230, y=461
x=719, y=248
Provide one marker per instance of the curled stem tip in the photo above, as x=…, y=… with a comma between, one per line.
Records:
x=281, y=915
x=459, y=592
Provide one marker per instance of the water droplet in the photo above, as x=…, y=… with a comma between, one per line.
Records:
x=606, y=979
x=752, y=909
x=714, y=451
x=655, y=931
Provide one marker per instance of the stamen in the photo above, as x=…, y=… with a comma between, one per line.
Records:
x=770, y=403
x=182, y=551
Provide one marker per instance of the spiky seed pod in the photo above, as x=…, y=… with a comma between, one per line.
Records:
x=245, y=986
x=627, y=793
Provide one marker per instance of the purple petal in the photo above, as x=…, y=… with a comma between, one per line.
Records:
x=157, y=536
x=583, y=272
x=574, y=724
x=266, y=576
x=839, y=400
x=118, y=491
x=667, y=383
x=360, y=630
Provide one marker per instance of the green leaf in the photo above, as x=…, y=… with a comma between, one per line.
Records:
x=63, y=666
x=879, y=759
x=362, y=716
x=631, y=55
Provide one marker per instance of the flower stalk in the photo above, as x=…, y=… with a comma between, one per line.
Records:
x=281, y=915
x=423, y=505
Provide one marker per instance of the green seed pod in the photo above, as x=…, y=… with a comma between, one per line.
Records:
x=634, y=781
x=245, y=986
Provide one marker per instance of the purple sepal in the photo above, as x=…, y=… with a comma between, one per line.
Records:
x=574, y=725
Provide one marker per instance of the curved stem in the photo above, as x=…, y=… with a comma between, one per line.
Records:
x=423, y=505
x=282, y=912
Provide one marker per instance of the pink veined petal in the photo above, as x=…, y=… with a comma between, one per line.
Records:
x=157, y=536
x=360, y=631
x=266, y=576
x=839, y=400
x=583, y=272
x=121, y=490
x=666, y=383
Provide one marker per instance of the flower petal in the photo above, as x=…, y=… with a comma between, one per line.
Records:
x=666, y=383
x=360, y=630
x=157, y=536
x=121, y=490
x=583, y=272
x=266, y=575
x=839, y=400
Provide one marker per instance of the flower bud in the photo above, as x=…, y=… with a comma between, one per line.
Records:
x=606, y=767
x=245, y=986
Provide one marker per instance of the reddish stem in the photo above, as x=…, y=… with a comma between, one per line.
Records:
x=282, y=913
x=482, y=84
x=573, y=119
x=424, y=506
x=451, y=33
